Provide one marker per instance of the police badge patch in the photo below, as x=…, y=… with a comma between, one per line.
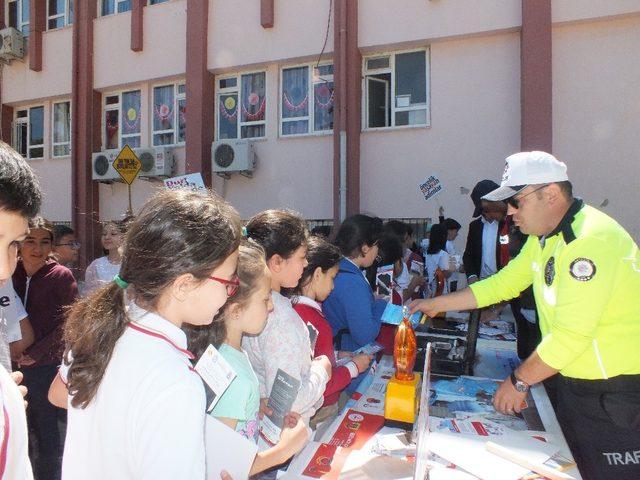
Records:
x=550, y=271
x=582, y=269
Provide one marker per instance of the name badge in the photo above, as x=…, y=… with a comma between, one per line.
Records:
x=216, y=373
x=504, y=239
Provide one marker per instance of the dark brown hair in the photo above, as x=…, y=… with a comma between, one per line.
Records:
x=19, y=187
x=356, y=232
x=40, y=223
x=176, y=232
x=279, y=232
x=252, y=267
x=320, y=253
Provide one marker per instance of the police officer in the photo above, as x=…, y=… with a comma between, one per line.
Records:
x=585, y=271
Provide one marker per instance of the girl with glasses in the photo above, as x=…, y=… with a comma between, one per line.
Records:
x=136, y=407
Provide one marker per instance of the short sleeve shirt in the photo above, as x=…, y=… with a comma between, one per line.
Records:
x=241, y=400
x=11, y=311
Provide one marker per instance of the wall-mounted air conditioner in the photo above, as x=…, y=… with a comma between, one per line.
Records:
x=102, y=166
x=233, y=156
x=12, y=45
x=156, y=162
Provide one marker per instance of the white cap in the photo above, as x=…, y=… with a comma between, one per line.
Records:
x=528, y=168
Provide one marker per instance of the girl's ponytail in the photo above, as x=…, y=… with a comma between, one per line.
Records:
x=98, y=320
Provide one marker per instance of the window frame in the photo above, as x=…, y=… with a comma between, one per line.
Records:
x=115, y=8
x=391, y=69
x=27, y=120
x=238, y=91
x=65, y=15
x=310, y=117
x=159, y=2
x=177, y=96
x=20, y=24
x=55, y=144
x=118, y=107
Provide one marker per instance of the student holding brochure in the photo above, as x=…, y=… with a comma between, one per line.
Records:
x=314, y=287
x=246, y=314
x=136, y=406
x=284, y=343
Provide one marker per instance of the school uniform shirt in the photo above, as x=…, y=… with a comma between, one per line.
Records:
x=433, y=261
x=311, y=313
x=241, y=399
x=11, y=312
x=147, y=418
x=45, y=296
x=284, y=344
x=99, y=272
x=14, y=443
x=489, y=264
x=351, y=309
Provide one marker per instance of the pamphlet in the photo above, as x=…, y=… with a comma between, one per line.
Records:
x=191, y=181
x=417, y=267
x=393, y=315
x=384, y=281
x=313, y=336
x=216, y=373
x=283, y=394
x=369, y=349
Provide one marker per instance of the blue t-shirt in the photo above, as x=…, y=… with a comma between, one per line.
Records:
x=241, y=400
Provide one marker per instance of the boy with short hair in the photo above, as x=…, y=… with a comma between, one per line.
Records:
x=20, y=199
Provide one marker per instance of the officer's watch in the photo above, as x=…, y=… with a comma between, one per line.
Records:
x=519, y=385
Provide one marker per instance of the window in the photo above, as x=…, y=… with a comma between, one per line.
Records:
x=18, y=15
x=109, y=7
x=396, y=92
x=244, y=94
x=306, y=100
x=61, y=129
x=156, y=2
x=122, y=120
x=59, y=13
x=28, y=132
x=169, y=110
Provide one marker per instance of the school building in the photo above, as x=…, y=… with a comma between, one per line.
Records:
x=344, y=105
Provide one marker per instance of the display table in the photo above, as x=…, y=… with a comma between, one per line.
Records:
x=350, y=446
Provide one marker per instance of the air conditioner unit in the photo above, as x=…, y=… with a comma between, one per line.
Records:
x=12, y=45
x=233, y=156
x=102, y=166
x=156, y=162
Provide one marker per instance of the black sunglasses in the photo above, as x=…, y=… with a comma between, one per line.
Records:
x=515, y=202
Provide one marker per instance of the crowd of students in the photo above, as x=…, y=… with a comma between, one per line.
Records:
x=180, y=276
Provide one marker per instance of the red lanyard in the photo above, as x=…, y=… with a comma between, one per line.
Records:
x=155, y=334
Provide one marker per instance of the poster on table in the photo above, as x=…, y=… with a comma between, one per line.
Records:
x=431, y=187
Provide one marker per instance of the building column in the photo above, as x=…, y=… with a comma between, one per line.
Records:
x=85, y=134
x=536, y=76
x=37, y=25
x=347, y=112
x=199, y=85
x=137, y=24
x=267, y=13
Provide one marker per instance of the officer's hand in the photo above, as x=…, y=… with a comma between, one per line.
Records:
x=507, y=399
x=427, y=306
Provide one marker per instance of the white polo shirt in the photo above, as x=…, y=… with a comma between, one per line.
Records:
x=147, y=418
x=11, y=311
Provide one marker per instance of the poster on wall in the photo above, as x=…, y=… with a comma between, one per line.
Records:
x=431, y=187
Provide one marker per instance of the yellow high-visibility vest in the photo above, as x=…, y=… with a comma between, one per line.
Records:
x=586, y=281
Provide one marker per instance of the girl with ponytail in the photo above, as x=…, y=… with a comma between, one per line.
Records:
x=136, y=407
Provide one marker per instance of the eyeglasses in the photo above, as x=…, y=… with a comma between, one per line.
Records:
x=70, y=244
x=231, y=285
x=515, y=202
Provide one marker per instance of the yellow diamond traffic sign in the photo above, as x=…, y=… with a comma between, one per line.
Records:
x=127, y=164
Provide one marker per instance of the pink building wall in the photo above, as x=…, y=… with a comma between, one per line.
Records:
x=474, y=78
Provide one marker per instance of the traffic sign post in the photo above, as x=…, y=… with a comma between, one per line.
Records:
x=128, y=166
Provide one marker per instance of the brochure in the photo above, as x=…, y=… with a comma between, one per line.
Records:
x=283, y=394
x=226, y=449
x=393, y=315
x=369, y=349
x=384, y=281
